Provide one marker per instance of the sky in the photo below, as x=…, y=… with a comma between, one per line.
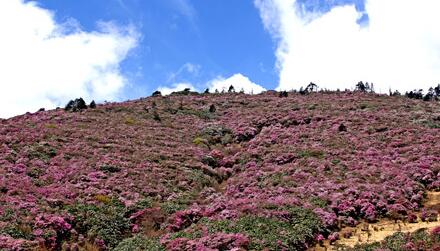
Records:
x=114, y=50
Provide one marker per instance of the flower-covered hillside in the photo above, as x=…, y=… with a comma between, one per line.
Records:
x=215, y=171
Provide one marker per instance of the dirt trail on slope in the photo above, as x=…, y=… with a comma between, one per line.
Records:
x=373, y=232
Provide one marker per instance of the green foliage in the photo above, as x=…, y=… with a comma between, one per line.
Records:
x=311, y=153
x=8, y=215
x=180, y=203
x=217, y=135
x=203, y=114
x=139, y=243
x=18, y=231
x=312, y=106
x=422, y=235
x=363, y=106
x=35, y=172
x=129, y=121
x=201, y=180
x=294, y=232
x=316, y=201
x=191, y=234
x=397, y=242
x=144, y=203
x=201, y=141
x=43, y=152
x=430, y=124
x=109, y=168
x=336, y=161
x=108, y=222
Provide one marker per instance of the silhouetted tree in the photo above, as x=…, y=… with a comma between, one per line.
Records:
x=416, y=94
x=360, y=86
x=206, y=91
x=437, y=90
x=92, y=104
x=156, y=94
x=76, y=105
x=312, y=87
x=231, y=89
x=395, y=93
x=283, y=94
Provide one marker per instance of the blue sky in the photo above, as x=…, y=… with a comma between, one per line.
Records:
x=114, y=50
x=219, y=37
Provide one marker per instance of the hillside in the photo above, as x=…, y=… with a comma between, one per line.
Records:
x=216, y=171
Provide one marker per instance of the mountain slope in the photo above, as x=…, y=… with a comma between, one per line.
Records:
x=215, y=171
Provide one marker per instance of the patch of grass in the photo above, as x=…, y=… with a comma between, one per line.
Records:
x=139, y=243
x=51, y=126
x=203, y=114
x=420, y=240
x=311, y=153
x=103, y=198
x=201, y=141
x=130, y=121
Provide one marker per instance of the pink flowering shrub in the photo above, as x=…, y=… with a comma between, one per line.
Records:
x=171, y=165
x=184, y=219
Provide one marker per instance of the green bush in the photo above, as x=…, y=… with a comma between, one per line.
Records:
x=139, y=243
x=298, y=228
x=18, y=231
x=107, y=222
x=397, y=242
x=217, y=135
x=316, y=201
x=179, y=203
x=42, y=151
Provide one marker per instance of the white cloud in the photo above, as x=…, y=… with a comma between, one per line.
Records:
x=399, y=49
x=44, y=63
x=175, y=88
x=185, y=69
x=238, y=81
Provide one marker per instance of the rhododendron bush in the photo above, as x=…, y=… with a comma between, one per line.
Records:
x=258, y=171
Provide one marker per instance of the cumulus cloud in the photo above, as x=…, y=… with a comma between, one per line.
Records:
x=239, y=82
x=175, y=88
x=398, y=48
x=44, y=63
